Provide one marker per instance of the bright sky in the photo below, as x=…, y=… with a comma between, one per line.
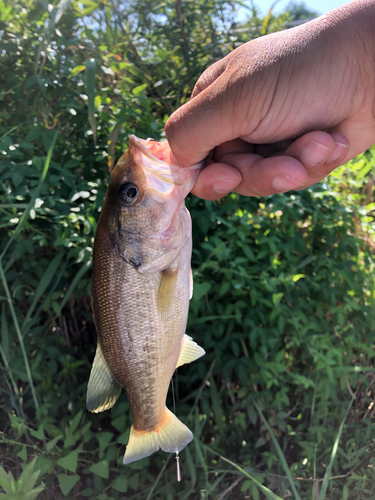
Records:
x=321, y=6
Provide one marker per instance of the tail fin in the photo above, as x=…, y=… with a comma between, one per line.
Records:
x=171, y=436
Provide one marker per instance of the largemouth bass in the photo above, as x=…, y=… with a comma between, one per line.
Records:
x=141, y=287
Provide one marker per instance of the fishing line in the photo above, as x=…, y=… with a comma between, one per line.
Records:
x=177, y=455
x=174, y=402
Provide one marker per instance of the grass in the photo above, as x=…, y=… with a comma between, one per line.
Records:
x=9, y=299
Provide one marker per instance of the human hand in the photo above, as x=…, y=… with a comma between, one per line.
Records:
x=282, y=111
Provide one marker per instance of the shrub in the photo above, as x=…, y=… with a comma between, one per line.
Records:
x=283, y=297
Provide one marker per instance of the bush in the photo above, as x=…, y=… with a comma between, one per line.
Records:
x=283, y=295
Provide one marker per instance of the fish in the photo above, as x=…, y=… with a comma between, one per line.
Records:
x=141, y=287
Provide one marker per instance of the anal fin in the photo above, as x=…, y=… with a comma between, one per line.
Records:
x=102, y=390
x=190, y=351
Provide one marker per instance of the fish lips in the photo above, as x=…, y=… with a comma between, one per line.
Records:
x=164, y=180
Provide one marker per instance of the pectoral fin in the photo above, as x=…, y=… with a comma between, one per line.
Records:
x=190, y=351
x=191, y=284
x=167, y=289
x=102, y=390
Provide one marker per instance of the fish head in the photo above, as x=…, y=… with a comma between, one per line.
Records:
x=144, y=206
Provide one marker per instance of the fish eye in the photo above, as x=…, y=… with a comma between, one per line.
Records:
x=129, y=193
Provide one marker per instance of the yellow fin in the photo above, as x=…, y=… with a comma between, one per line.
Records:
x=190, y=351
x=171, y=436
x=167, y=289
x=102, y=390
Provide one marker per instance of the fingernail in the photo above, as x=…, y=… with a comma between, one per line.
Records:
x=284, y=183
x=222, y=186
x=337, y=152
x=314, y=153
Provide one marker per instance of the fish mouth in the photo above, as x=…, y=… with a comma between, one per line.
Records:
x=170, y=172
x=144, y=145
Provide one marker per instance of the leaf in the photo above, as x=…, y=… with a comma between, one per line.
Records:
x=86, y=266
x=218, y=411
x=26, y=486
x=52, y=443
x=297, y=277
x=70, y=438
x=345, y=492
x=327, y=475
x=76, y=70
x=101, y=469
x=269, y=494
x=112, y=144
x=56, y=308
x=260, y=442
x=4, y=333
x=119, y=423
x=104, y=439
x=57, y=13
x=70, y=461
x=39, y=434
x=88, y=7
x=76, y=420
x=16, y=179
x=243, y=4
x=139, y=89
x=246, y=485
x=6, y=481
x=28, y=470
x=67, y=482
x=47, y=278
x=23, y=453
x=33, y=493
x=200, y=289
x=224, y=288
x=32, y=80
x=34, y=196
x=90, y=89
x=120, y=484
x=276, y=298
x=364, y=171
x=280, y=453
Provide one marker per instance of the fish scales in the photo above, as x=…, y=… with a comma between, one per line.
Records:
x=136, y=345
x=140, y=292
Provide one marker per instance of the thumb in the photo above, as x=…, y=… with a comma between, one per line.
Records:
x=201, y=124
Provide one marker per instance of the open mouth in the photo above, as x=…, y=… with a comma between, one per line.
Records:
x=158, y=159
x=155, y=149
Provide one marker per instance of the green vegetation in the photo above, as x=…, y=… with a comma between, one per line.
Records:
x=281, y=406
